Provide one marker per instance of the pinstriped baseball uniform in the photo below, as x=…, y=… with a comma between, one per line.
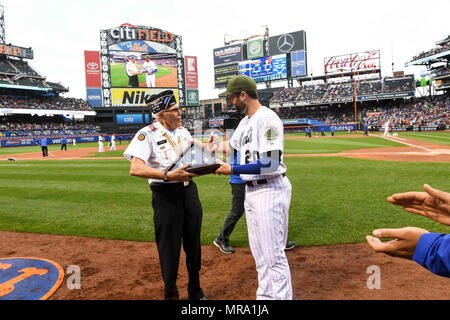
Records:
x=266, y=204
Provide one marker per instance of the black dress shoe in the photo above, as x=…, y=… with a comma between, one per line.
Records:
x=198, y=296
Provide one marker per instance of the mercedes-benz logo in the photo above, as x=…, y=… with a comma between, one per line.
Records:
x=285, y=42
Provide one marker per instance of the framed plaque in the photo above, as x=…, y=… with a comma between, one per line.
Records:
x=200, y=160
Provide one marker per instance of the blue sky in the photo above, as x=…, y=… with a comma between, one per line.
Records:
x=59, y=31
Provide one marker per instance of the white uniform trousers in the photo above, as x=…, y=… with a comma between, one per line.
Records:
x=267, y=216
x=150, y=79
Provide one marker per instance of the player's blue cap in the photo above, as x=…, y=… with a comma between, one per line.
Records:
x=238, y=84
x=161, y=101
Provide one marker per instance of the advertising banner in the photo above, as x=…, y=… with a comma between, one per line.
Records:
x=362, y=61
x=134, y=97
x=92, y=69
x=287, y=42
x=298, y=63
x=94, y=96
x=129, y=118
x=228, y=54
x=191, y=72
x=223, y=74
x=255, y=49
x=192, y=98
x=385, y=96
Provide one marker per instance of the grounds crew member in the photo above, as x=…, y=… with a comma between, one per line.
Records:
x=176, y=204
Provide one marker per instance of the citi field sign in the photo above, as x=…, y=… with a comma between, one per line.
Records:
x=129, y=32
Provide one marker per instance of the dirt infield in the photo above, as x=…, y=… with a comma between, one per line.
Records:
x=115, y=269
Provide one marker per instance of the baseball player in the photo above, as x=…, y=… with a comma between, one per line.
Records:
x=113, y=143
x=150, y=69
x=259, y=139
x=175, y=201
x=132, y=72
x=386, y=129
x=100, y=143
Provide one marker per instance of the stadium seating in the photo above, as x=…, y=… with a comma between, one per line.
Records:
x=18, y=128
x=49, y=103
x=434, y=113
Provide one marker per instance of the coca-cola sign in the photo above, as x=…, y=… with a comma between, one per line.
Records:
x=367, y=60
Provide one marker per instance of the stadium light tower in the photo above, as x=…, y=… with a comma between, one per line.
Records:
x=2, y=24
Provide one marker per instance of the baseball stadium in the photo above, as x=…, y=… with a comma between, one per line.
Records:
x=352, y=138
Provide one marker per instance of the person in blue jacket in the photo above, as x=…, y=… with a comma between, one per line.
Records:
x=63, y=143
x=236, y=212
x=430, y=250
x=44, y=147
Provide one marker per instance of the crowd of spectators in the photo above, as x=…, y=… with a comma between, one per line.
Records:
x=441, y=72
x=47, y=129
x=392, y=85
x=47, y=103
x=344, y=89
x=403, y=114
x=410, y=113
x=327, y=114
x=423, y=54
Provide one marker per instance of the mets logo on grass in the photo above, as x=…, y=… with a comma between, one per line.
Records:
x=29, y=278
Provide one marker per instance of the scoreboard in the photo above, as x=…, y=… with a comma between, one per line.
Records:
x=14, y=51
x=265, y=69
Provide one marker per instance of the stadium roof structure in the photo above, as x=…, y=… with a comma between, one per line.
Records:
x=441, y=56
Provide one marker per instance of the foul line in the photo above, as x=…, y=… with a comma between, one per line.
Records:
x=409, y=144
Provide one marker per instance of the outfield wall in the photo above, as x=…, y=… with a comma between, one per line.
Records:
x=35, y=141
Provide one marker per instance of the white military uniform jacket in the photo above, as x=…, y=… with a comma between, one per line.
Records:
x=157, y=146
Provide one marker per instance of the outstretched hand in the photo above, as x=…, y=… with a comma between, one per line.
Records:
x=180, y=174
x=433, y=203
x=224, y=168
x=402, y=246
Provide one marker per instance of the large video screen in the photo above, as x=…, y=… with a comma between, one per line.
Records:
x=139, y=61
x=265, y=69
x=155, y=70
x=298, y=63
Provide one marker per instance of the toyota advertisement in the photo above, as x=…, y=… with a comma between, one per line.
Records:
x=265, y=69
x=93, y=78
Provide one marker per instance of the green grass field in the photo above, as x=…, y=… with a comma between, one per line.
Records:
x=119, y=77
x=334, y=200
